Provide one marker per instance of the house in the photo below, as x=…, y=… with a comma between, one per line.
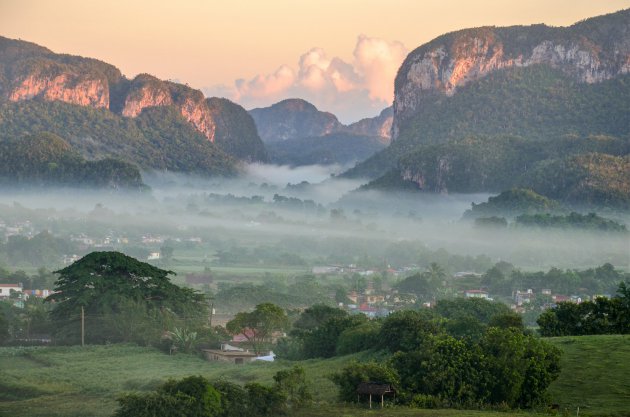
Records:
x=38, y=293
x=353, y=296
x=153, y=256
x=229, y=354
x=466, y=274
x=476, y=294
x=557, y=298
x=524, y=297
x=374, y=298
x=249, y=334
x=329, y=269
x=5, y=289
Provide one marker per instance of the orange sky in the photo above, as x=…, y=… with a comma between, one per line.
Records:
x=208, y=43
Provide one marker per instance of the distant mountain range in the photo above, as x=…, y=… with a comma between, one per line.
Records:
x=296, y=118
x=489, y=109
x=297, y=133
x=159, y=125
x=477, y=110
x=99, y=113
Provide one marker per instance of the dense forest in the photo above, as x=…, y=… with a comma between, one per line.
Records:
x=551, y=128
x=158, y=139
x=45, y=159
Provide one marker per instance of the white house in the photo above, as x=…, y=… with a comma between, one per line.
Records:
x=5, y=289
x=476, y=294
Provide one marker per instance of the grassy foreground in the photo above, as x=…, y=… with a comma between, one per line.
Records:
x=595, y=375
x=74, y=381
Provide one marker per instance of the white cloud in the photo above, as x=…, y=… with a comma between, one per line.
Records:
x=351, y=90
x=266, y=85
x=378, y=60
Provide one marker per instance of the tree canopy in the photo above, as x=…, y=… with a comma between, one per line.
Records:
x=108, y=285
x=257, y=326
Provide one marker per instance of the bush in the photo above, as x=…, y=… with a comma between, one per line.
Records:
x=265, y=401
x=352, y=375
x=190, y=397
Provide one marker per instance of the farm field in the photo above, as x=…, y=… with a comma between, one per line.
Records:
x=74, y=381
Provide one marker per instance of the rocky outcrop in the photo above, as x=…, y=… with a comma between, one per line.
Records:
x=591, y=51
x=148, y=91
x=57, y=85
x=379, y=126
x=29, y=71
x=291, y=119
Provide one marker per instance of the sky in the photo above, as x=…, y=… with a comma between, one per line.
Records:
x=342, y=55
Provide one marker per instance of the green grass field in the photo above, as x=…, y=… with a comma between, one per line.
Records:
x=74, y=381
x=595, y=375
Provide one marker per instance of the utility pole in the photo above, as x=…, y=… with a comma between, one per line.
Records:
x=82, y=327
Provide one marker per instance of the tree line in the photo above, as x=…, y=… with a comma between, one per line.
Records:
x=600, y=316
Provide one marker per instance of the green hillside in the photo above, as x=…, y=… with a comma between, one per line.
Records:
x=159, y=138
x=512, y=203
x=595, y=375
x=590, y=179
x=580, y=171
x=71, y=381
x=236, y=132
x=46, y=159
x=537, y=104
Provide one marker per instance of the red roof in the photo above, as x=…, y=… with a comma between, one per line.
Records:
x=243, y=337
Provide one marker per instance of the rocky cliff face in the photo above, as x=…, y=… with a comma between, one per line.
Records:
x=379, y=126
x=148, y=91
x=29, y=71
x=591, y=51
x=67, y=87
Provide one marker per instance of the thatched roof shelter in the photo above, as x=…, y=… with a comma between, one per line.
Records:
x=374, y=388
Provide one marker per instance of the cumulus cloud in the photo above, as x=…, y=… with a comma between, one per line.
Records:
x=378, y=60
x=351, y=90
x=265, y=85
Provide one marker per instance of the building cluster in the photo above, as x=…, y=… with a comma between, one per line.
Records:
x=21, y=228
x=17, y=295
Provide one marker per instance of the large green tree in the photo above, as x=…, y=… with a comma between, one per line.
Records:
x=117, y=291
x=257, y=326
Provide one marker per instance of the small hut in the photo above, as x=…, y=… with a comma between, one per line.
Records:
x=376, y=389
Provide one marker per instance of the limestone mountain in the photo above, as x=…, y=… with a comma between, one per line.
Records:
x=483, y=109
x=591, y=51
x=29, y=73
x=297, y=118
x=297, y=133
x=293, y=118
